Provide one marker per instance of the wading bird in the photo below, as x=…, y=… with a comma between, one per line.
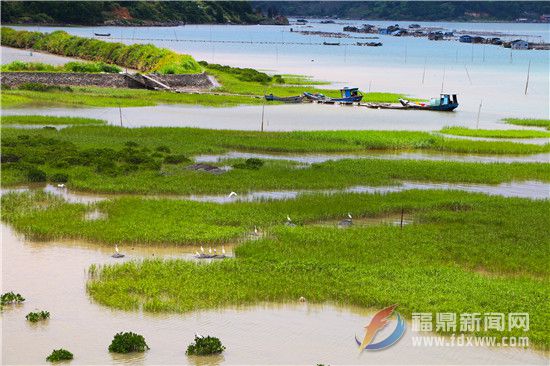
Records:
x=232, y=194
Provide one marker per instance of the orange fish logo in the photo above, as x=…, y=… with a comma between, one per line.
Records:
x=378, y=322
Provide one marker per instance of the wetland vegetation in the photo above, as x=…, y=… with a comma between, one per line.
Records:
x=459, y=255
x=529, y=122
x=156, y=160
x=126, y=342
x=203, y=346
x=510, y=134
x=59, y=355
x=11, y=298
x=37, y=316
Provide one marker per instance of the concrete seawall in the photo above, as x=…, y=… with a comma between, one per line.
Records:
x=175, y=81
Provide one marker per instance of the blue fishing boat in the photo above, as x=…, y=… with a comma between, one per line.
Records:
x=349, y=95
x=445, y=103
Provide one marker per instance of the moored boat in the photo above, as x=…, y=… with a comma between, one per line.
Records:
x=102, y=34
x=445, y=103
x=293, y=99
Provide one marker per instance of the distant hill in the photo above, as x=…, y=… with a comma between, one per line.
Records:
x=129, y=12
x=411, y=10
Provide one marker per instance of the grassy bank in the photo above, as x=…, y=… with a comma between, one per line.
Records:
x=154, y=160
x=114, y=97
x=529, y=122
x=143, y=57
x=458, y=257
x=516, y=134
x=49, y=120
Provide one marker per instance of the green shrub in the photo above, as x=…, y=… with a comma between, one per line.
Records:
x=245, y=74
x=36, y=175
x=126, y=342
x=251, y=163
x=11, y=298
x=59, y=355
x=176, y=159
x=205, y=346
x=59, y=178
x=37, y=316
x=164, y=149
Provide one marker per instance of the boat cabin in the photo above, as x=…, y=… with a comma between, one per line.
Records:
x=446, y=102
x=349, y=92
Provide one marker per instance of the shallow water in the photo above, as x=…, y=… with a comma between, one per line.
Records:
x=414, y=155
x=295, y=117
x=528, y=189
x=52, y=276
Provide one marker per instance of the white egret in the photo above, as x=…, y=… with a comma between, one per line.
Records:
x=223, y=250
x=210, y=250
x=61, y=185
x=202, y=249
x=232, y=194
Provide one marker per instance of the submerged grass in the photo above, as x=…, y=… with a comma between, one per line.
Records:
x=518, y=134
x=49, y=120
x=529, y=122
x=459, y=256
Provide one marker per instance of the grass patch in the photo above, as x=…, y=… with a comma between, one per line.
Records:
x=517, y=134
x=465, y=253
x=118, y=97
x=138, y=220
x=154, y=160
x=529, y=122
x=49, y=120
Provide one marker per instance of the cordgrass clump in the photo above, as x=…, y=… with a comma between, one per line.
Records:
x=203, y=346
x=529, y=122
x=126, y=342
x=517, y=134
x=9, y=298
x=37, y=316
x=59, y=355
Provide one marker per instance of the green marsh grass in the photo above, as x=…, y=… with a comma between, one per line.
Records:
x=49, y=120
x=517, y=134
x=464, y=253
x=529, y=122
x=86, y=155
x=141, y=220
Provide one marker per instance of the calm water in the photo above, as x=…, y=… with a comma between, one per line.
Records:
x=414, y=155
x=528, y=189
x=277, y=117
x=300, y=334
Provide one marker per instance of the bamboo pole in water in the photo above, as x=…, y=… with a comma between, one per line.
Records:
x=443, y=78
x=424, y=72
x=527, y=81
x=263, y=112
x=479, y=113
x=468, y=74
